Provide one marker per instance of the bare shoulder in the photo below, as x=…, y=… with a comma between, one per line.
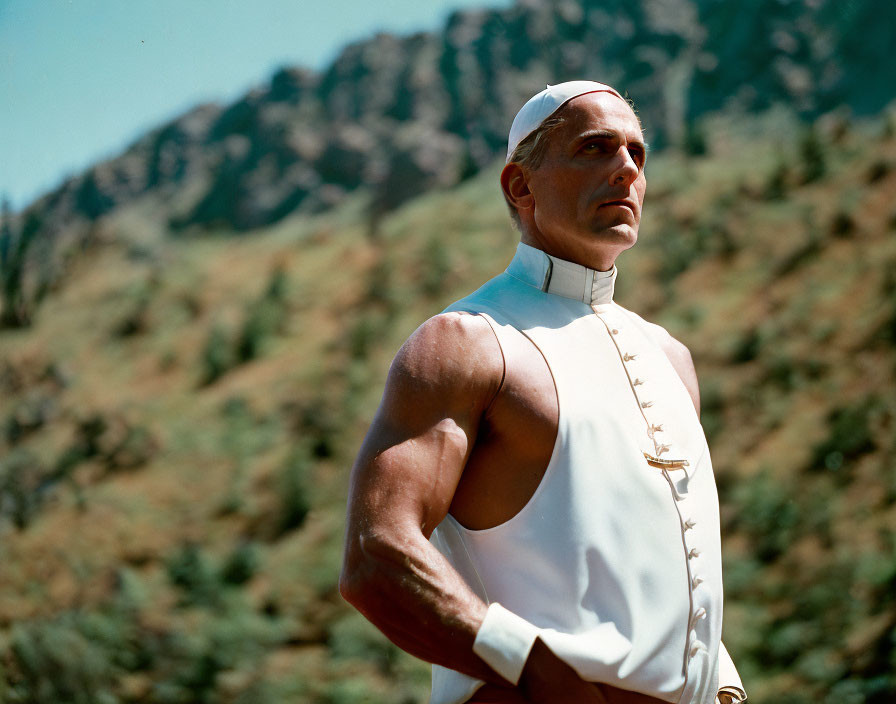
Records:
x=678, y=354
x=451, y=353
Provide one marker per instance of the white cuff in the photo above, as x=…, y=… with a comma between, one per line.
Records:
x=504, y=641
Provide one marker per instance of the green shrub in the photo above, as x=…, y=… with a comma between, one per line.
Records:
x=778, y=182
x=813, y=156
x=878, y=171
x=294, y=485
x=277, y=285
x=263, y=319
x=136, y=321
x=16, y=308
x=379, y=286
x=747, y=348
x=74, y=658
x=21, y=479
x=29, y=415
x=842, y=224
x=217, y=355
x=241, y=564
x=799, y=256
x=712, y=409
x=694, y=142
x=352, y=691
x=353, y=637
x=232, y=638
x=782, y=372
x=191, y=569
x=767, y=510
x=369, y=329
x=849, y=435
x=435, y=266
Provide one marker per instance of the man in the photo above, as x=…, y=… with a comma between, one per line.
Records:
x=533, y=509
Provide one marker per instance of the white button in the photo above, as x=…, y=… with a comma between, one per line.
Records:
x=690, y=523
x=693, y=553
x=696, y=581
x=699, y=614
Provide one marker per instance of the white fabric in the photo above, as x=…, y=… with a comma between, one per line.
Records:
x=504, y=641
x=728, y=676
x=615, y=561
x=544, y=104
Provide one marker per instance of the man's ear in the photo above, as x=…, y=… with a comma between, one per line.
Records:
x=515, y=184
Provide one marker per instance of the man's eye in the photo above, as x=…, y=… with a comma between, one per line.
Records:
x=593, y=147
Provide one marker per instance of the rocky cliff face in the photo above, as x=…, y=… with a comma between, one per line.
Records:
x=401, y=115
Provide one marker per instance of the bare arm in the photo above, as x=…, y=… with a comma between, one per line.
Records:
x=439, y=386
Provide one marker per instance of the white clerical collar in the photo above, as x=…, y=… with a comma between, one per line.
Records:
x=560, y=277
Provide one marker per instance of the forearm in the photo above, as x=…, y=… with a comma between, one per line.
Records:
x=419, y=601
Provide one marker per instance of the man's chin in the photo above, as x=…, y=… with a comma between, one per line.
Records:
x=622, y=234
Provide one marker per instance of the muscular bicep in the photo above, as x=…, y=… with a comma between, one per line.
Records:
x=403, y=478
x=414, y=453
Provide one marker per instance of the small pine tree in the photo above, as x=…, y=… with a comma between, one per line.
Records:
x=241, y=565
x=217, y=357
x=6, y=233
x=694, y=142
x=813, y=156
x=15, y=311
x=294, y=492
x=776, y=186
x=276, y=290
x=889, y=127
x=436, y=266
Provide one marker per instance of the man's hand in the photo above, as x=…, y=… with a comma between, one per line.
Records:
x=546, y=678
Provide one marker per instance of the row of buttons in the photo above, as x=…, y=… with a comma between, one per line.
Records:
x=688, y=524
x=652, y=429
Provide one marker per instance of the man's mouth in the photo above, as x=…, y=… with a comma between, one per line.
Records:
x=619, y=203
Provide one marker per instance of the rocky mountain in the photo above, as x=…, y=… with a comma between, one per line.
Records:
x=405, y=114
x=398, y=116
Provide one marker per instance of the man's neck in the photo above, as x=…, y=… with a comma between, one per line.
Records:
x=598, y=261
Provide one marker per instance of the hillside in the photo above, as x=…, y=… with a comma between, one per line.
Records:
x=181, y=413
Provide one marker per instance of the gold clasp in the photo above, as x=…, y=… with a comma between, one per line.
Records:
x=665, y=464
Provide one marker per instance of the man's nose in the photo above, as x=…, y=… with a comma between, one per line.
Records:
x=626, y=170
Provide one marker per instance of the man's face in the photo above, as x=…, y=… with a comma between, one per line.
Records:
x=588, y=192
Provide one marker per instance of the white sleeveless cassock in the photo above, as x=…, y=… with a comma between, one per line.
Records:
x=615, y=561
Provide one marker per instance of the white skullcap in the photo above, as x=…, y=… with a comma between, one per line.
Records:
x=541, y=106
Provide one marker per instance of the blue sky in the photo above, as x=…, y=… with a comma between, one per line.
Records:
x=81, y=79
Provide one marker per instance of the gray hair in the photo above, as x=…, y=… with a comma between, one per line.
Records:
x=531, y=152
